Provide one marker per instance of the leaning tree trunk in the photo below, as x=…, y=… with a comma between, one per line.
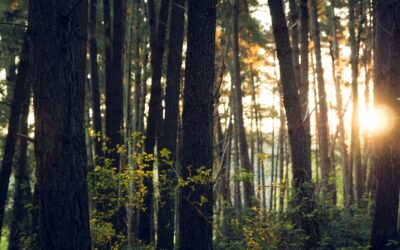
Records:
x=387, y=143
x=249, y=193
x=21, y=94
x=168, y=140
x=58, y=61
x=298, y=136
x=195, y=221
x=323, y=128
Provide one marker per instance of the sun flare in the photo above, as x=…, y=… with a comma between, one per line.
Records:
x=378, y=121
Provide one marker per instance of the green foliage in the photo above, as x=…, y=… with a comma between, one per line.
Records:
x=4, y=238
x=257, y=229
x=111, y=189
x=345, y=229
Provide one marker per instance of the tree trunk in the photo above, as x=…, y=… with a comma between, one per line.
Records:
x=304, y=86
x=249, y=194
x=281, y=156
x=294, y=33
x=386, y=144
x=340, y=113
x=168, y=140
x=157, y=44
x=21, y=94
x=115, y=100
x=94, y=75
x=271, y=194
x=323, y=127
x=299, y=140
x=20, y=223
x=59, y=38
x=355, y=123
x=195, y=225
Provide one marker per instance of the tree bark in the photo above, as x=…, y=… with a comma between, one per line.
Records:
x=157, y=44
x=323, y=127
x=249, y=193
x=114, y=114
x=94, y=75
x=20, y=223
x=339, y=107
x=386, y=144
x=21, y=94
x=299, y=141
x=294, y=34
x=58, y=59
x=355, y=123
x=168, y=140
x=195, y=225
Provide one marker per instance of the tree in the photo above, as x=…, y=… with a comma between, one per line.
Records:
x=249, y=193
x=58, y=60
x=114, y=104
x=300, y=143
x=195, y=224
x=154, y=118
x=168, y=139
x=323, y=128
x=94, y=75
x=355, y=124
x=21, y=95
x=387, y=148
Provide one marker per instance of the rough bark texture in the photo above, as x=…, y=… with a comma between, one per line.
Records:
x=304, y=85
x=157, y=44
x=299, y=141
x=323, y=129
x=195, y=222
x=294, y=35
x=58, y=59
x=168, y=140
x=21, y=94
x=94, y=75
x=114, y=112
x=248, y=184
x=387, y=147
x=22, y=196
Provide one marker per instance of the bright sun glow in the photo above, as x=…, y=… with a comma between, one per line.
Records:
x=378, y=121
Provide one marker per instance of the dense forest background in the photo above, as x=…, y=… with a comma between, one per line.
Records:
x=199, y=124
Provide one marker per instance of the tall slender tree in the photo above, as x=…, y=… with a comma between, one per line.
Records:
x=249, y=193
x=355, y=149
x=323, y=128
x=58, y=61
x=168, y=140
x=195, y=223
x=94, y=75
x=21, y=94
x=299, y=141
x=154, y=118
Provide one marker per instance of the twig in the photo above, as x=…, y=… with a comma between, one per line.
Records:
x=25, y=137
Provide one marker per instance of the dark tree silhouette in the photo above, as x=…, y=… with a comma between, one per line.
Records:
x=195, y=221
x=58, y=59
x=387, y=147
